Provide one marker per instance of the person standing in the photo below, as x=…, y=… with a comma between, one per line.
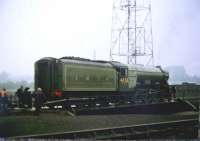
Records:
x=27, y=97
x=19, y=94
x=1, y=101
x=4, y=101
x=40, y=98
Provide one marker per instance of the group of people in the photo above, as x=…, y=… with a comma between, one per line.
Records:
x=3, y=101
x=24, y=99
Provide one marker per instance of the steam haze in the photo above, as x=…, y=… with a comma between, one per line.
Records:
x=176, y=33
x=32, y=29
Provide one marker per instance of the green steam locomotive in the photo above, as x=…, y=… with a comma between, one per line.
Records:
x=73, y=77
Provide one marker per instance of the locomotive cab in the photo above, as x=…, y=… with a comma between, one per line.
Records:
x=123, y=78
x=123, y=82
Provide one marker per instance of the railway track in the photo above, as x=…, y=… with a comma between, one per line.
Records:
x=187, y=128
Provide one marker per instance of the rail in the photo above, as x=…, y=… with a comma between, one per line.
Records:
x=140, y=131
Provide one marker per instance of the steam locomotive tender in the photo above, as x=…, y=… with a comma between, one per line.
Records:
x=104, y=81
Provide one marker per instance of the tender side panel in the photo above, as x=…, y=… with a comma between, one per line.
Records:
x=79, y=77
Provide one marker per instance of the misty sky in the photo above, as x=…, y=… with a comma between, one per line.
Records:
x=32, y=29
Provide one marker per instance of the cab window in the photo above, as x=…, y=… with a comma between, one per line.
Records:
x=123, y=72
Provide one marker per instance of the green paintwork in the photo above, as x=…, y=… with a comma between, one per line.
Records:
x=68, y=74
x=43, y=76
x=58, y=83
x=148, y=73
x=80, y=77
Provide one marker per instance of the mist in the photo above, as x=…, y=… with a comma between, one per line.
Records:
x=32, y=29
x=176, y=33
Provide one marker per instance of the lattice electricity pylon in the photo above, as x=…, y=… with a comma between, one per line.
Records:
x=131, y=39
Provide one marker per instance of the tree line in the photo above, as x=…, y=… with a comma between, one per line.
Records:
x=11, y=85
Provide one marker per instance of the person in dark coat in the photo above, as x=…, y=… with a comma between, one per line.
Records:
x=27, y=97
x=40, y=98
x=20, y=94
